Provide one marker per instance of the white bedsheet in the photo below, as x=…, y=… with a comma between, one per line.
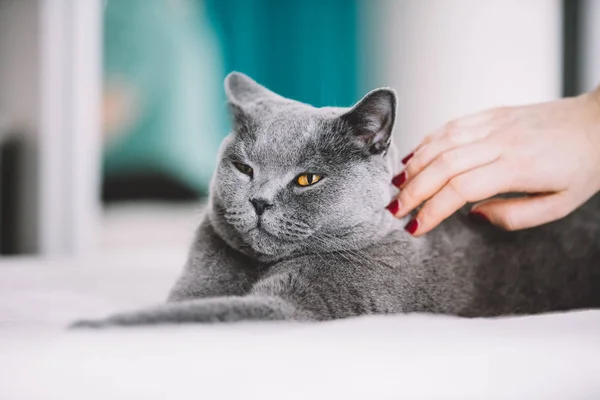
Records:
x=399, y=357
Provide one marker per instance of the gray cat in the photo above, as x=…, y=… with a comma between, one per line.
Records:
x=296, y=229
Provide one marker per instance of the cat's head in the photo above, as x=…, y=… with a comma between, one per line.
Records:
x=292, y=177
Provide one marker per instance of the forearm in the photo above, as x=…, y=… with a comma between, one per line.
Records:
x=216, y=309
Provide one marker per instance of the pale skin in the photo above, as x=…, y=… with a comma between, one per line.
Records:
x=548, y=151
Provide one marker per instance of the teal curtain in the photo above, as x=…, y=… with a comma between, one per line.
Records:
x=302, y=49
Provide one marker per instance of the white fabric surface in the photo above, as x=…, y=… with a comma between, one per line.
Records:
x=406, y=356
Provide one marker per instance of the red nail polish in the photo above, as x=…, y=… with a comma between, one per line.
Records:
x=478, y=217
x=412, y=226
x=399, y=179
x=408, y=157
x=394, y=206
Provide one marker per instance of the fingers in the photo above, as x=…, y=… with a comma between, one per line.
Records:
x=452, y=151
x=459, y=131
x=525, y=212
x=475, y=185
x=444, y=168
x=424, y=142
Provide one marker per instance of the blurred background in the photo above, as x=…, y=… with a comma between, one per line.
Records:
x=112, y=111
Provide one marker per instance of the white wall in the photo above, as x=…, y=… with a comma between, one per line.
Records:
x=19, y=62
x=70, y=106
x=451, y=58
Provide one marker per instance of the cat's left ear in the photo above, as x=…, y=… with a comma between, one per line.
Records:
x=372, y=120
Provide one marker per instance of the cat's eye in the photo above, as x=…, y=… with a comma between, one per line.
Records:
x=244, y=169
x=308, y=179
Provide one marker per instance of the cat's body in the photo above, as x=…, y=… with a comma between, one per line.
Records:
x=461, y=268
x=270, y=248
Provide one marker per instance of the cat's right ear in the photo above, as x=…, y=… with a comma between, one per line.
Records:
x=241, y=120
x=242, y=90
x=236, y=90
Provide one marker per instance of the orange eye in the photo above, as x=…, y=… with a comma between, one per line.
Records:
x=244, y=169
x=308, y=179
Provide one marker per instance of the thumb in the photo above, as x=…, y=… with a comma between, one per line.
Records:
x=524, y=212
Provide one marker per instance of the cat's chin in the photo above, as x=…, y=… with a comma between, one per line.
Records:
x=267, y=244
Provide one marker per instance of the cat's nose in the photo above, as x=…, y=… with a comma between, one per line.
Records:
x=260, y=205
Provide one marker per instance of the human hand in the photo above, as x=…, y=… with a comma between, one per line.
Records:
x=550, y=151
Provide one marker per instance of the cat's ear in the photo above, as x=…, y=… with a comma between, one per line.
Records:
x=242, y=90
x=243, y=95
x=372, y=120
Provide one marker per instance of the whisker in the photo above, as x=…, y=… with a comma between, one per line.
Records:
x=353, y=253
x=301, y=232
x=352, y=258
x=297, y=224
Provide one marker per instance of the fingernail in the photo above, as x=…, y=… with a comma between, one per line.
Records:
x=478, y=217
x=399, y=179
x=408, y=157
x=394, y=206
x=412, y=226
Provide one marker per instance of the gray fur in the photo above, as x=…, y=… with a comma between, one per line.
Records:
x=332, y=250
